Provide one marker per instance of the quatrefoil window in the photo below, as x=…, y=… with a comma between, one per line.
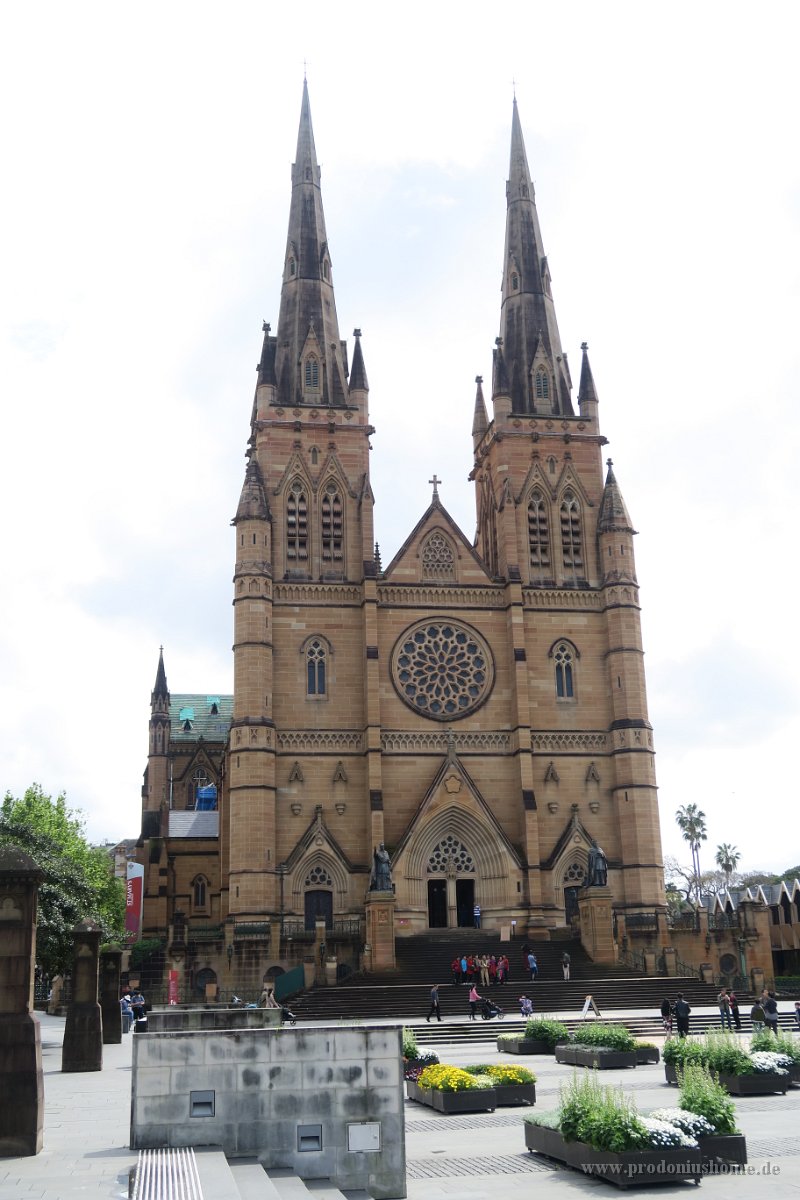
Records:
x=450, y=855
x=442, y=669
x=318, y=877
x=575, y=873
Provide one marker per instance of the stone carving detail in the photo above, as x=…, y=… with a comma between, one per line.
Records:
x=555, y=743
x=557, y=598
x=551, y=774
x=308, y=741
x=438, y=560
x=401, y=594
x=10, y=909
x=296, y=774
x=318, y=877
x=340, y=775
x=450, y=857
x=398, y=740
x=591, y=774
x=316, y=593
x=442, y=669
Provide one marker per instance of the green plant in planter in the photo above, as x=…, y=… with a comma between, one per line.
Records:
x=637, y=1045
x=724, y=1055
x=783, y=1043
x=680, y=1051
x=545, y=1029
x=610, y=1037
x=603, y=1118
x=410, y=1047
x=702, y=1093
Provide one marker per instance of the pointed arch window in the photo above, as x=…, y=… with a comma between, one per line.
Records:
x=316, y=672
x=541, y=384
x=311, y=375
x=571, y=537
x=200, y=893
x=202, y=790
x=514, y=282
x=564, y=659
x=297, y=526
x=292, y=268
x=538, y=531
x=332, y=526
x=438, y=559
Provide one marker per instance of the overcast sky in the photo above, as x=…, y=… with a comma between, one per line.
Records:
x=146, y=181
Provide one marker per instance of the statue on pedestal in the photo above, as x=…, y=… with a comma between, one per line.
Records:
x=380, y=879
x=597, y=873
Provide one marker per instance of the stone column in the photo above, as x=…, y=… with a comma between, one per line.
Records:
x=83, y=1035
x=110, y=961
x=21, y=1079
x=380, y=930
x=597, y=928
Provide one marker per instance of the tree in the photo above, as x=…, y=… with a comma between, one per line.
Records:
x=78, y=878
x=727, y=859
x=692, y=823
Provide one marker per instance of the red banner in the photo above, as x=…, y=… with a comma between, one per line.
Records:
x=172, y=988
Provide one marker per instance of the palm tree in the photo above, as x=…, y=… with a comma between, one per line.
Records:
x=727, y=859
x=692, y=823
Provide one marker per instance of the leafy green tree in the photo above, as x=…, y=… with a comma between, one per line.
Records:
x=78, y=878
x=692, y=823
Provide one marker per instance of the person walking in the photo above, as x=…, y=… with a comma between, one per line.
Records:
x=434, y=1009
x=473, y=1001
x=682, y=1011
x=565, y=963
x=734, y=1003
x=771, y=1013
x=666, y=1015
x=533, y=966
x=724, y=1006
x=757, y=1016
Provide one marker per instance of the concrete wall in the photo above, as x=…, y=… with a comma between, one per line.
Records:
x=268, y=1092
x=180, y=1019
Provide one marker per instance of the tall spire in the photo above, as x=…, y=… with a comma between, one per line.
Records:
x=537, y=372
x=160, y=690
x=480, y=421
x=310, y=358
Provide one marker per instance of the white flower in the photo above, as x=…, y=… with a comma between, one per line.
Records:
x=691, y=1123
x=769, y=1061
x=663, y=1133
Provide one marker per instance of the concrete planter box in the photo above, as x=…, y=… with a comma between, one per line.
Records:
x=523, y=1046
x=794, y=1075
x=475, y=1100
x=723, y=1148
x=635, y=1168
x=647, y=1054
x=760, y=1083
x=594, y=1056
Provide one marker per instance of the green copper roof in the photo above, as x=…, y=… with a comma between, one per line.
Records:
x=196, y=716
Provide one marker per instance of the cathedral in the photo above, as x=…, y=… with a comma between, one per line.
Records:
x=477, y=707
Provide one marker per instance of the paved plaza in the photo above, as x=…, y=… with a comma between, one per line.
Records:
x=475, y=1157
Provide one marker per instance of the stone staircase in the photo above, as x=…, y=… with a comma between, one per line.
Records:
x=425, y=959
x=206, y=1174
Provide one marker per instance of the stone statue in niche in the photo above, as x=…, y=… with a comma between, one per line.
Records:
x=597, y=873
x=381, y=878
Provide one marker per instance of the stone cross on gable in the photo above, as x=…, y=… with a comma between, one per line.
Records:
x=435, y=481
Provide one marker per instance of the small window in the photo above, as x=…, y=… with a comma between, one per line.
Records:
x=542, y=385
x=565, y=688
x=314, y=456
x=438, y=559
x=297, y=526
x=292, y=267
x=316, y=659
x=312, y=374
x=538, y=532
x=515, y=282
x=332, y=526
x=200, y=892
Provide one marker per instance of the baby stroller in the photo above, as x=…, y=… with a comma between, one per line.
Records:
x=489, y=1009
x=288, y=1017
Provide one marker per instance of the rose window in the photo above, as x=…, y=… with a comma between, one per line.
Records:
x=442, y=669
x=450, y=855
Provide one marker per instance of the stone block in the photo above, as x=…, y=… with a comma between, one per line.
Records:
x=383, y=1072
x=284, y=1075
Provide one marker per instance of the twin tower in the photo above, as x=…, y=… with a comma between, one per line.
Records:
x=477, y=707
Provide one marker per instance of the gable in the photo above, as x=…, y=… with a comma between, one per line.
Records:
x=437, y=552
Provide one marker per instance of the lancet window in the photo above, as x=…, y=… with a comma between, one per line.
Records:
x=297, y=526
x=316, y=664
x=538, y=531
x=541, y=384
x=571, y=538
x=332, y=526
x=312, y=374
x=564, y=661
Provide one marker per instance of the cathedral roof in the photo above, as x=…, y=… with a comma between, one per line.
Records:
x=194, y=715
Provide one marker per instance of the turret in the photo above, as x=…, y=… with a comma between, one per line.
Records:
x=480, y=421
x=587, y=393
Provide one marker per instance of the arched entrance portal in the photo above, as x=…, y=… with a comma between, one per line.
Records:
x=451, y=885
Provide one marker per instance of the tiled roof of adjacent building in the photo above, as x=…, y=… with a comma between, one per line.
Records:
x=198, y=715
